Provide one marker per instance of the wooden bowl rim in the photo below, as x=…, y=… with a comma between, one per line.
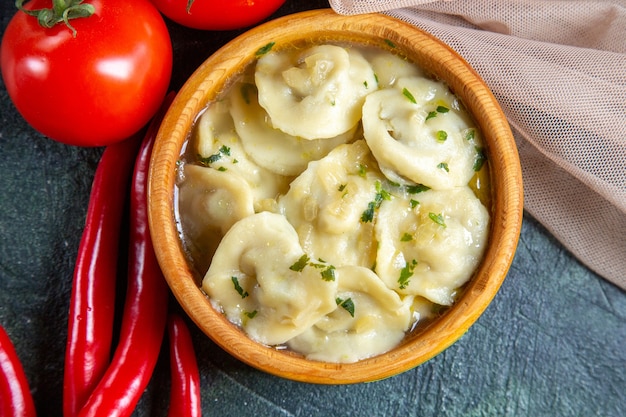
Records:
x=436, y=58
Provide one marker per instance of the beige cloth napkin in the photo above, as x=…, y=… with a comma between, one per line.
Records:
x=558, y=69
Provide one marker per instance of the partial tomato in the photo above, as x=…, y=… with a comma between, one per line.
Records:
x=95, y=86
x=217, y=14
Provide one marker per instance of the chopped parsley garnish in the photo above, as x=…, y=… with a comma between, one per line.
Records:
x=222, y=169
x=406, y=237
x=437, y=218
x=341, y=187
x=390, y=43
x=440, y=109
x=328, y=271
x=299, y=265
x=406, y=273
x=444, y=166
x=238, y=288
x=376, y=78
x=209, y=160
x=470, y=134
x=417, y=188
x=251, y=314
x=384, y=194
x=362, y=170
x=368, y=215
x=365, y=83
x=245, y=90
x=408, y=95
x=442, y=135
x=265, y=49
x=381, y=194
x=347, y=305
x=480, y=159
x=413, y=203
x=328, y=274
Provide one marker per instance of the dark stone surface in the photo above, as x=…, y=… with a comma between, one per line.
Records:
x=552, y=343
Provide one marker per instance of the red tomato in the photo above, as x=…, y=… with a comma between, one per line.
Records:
x=218, y=14
x=96, y=88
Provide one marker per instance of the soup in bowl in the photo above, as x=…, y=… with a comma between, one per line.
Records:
x=335, y=199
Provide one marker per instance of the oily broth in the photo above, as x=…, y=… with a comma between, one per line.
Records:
x=200, y=251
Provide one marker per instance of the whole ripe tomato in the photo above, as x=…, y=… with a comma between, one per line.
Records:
x=97, y=87
x=217, y=14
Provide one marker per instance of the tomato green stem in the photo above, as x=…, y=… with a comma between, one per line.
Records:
x=62, y=11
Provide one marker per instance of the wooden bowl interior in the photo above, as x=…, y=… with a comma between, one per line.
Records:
x=442, y=63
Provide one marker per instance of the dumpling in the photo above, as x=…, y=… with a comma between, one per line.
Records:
x=430, y=243
x=418, y=134
x=326, y=202
x=253, y=279
x=369, y=319
x=218, y=146
x=269, y=147
x=389, y=68
x=212, y=201
x=317, y=94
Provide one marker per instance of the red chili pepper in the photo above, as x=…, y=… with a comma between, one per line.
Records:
x=145, y=308
x=15, y=397
x=92, y=304
x=185, y=387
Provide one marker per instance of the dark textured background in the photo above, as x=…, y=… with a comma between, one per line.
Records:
x=552, y=343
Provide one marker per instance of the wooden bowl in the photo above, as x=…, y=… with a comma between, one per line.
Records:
x=435, y=58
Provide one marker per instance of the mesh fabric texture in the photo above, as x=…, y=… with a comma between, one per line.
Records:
x=558, y=70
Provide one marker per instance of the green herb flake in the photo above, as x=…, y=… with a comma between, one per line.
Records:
x=390, y=43
x=376, y=78
x=341, y=187
x=265, y=49
x=362, y=170
x=470, y=134
x=480, y=159
x=413, y=203
x=238, y=288
x=417, y=188
x=209, y=160
x=406, y=273
x=246, y=90
x=406, y=237
x=225, y=150
x=444, y=166
x=442, y=109
x=328, y=274
x=437, y=218
x=365, y=83
x=431, y=114
x=442, y=135
x=406, y=93
x=251, y=314
x=381, y=194
x=299, y=265
x=346, y=304
x=222, y=169
x=368, y=215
